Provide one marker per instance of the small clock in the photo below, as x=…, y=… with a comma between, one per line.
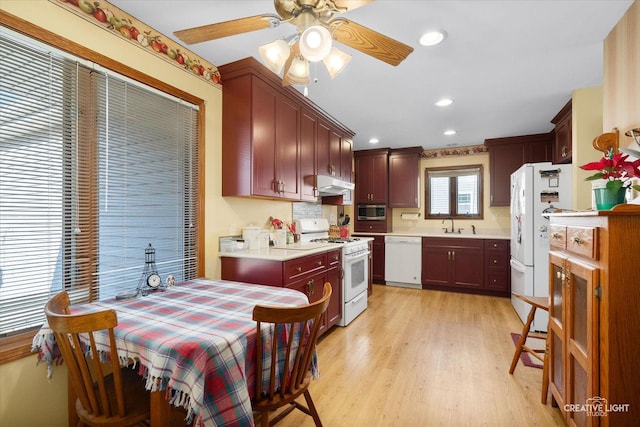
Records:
x=154, y=280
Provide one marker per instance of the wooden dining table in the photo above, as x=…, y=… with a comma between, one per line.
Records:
x=194, y=344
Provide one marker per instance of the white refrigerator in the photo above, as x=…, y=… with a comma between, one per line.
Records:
x=536, y=190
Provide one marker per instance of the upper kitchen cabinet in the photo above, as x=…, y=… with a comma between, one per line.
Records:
x=308, y=158
x=404, y=177
x=272, y=136
x=334, y=152
x=372, y=172
x=562, y=134
x=508, y=154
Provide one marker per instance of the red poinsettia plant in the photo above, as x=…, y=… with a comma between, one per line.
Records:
x=616, y=170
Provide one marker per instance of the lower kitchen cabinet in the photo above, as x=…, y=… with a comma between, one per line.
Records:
x=593, y=316
x=306, y=274
x=466, y=265
x=452, y=263
x=497, y=271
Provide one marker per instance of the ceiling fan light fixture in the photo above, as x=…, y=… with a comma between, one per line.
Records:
x=315, y=43
x=336, y=61
x=298, y=73
x=274, y=55
x=432, y=38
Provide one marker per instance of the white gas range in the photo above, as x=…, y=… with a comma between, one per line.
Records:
x=355, y=264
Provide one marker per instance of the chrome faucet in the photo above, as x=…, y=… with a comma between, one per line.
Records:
x=447, y=230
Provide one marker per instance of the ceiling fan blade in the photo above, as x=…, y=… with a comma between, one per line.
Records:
x=351, y=4
x=227, y=28
x=370, y=42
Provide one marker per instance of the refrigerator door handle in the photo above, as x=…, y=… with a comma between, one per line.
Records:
x=517, y=266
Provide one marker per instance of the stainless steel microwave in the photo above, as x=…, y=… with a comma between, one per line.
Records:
x=372, y=212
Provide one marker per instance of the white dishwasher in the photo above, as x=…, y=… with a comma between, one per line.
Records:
x=403, y=261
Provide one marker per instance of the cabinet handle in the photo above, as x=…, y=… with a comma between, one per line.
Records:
x=298, y=269
x=495, y=245
x=279, y=184
x=555, y=236
x=453, y=255
x=578, y=240
x=310, y=287
x=319, y=263
x=495, y=261
x=565, y=151
x=449, y=255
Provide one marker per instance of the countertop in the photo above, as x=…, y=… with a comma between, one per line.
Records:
x=428, y=233
x=288, y=252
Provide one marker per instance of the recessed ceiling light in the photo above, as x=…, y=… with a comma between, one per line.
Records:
x=450, y=132
x=374, y=141
x=443, y=102
x=432, y=38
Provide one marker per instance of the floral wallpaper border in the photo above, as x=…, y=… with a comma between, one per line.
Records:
x=121, y=24
x=462, y=151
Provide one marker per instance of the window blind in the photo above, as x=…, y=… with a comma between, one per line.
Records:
x=93, y=169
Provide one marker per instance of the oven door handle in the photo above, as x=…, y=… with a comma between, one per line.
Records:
x=350, y=258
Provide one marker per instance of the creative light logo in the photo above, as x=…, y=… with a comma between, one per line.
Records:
x=597, y=407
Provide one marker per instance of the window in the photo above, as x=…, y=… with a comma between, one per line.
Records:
x=93, y=168
x=454, y=192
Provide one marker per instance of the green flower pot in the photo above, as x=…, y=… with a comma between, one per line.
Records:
x=606, y=199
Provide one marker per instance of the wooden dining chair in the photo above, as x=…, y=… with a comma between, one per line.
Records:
x=290, y=367
x=536, y=303
x=100, y=387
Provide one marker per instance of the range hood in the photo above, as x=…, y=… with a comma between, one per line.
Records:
x=329, y=185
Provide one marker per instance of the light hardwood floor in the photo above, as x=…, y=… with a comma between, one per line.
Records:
x=426, y=358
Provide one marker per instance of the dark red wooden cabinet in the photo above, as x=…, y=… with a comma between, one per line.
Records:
x=274, y=140
x=404, y=173
x=466, y=265
x=506, y=155
x=306, y=274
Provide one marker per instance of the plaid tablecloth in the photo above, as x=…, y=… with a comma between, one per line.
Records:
x=196, y=340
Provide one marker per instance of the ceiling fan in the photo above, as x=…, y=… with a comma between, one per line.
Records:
x=316, y=27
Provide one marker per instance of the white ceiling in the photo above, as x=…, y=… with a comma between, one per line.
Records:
x=509, y=65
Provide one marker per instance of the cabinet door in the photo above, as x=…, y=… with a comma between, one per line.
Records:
x=378, y=259
x=468, y=267
x=556, y=328
x=346, y=160
x=308, y=145
x=436, y=265
x=403, y=180
x=312, y=287
x=324, y=137
x=335, y=145
x=503, y=161
x=264, y=140
x=334, y=311
x=581, y=336
x=562, y=149
x=371, y=177
x=536, y=152
x=287, y=148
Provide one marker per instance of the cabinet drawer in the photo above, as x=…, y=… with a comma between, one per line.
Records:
x=500, y=245
x=334, y=258
x=496, y=260
x=298, y=268
x=497, y=281
x=582, y=241
x=371, y=226
x=558, y=236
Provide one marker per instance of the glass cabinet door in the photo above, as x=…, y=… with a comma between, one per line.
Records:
x=557, y=349
x=581, y=338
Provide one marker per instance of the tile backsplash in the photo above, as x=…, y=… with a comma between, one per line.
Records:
x=306, y=210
